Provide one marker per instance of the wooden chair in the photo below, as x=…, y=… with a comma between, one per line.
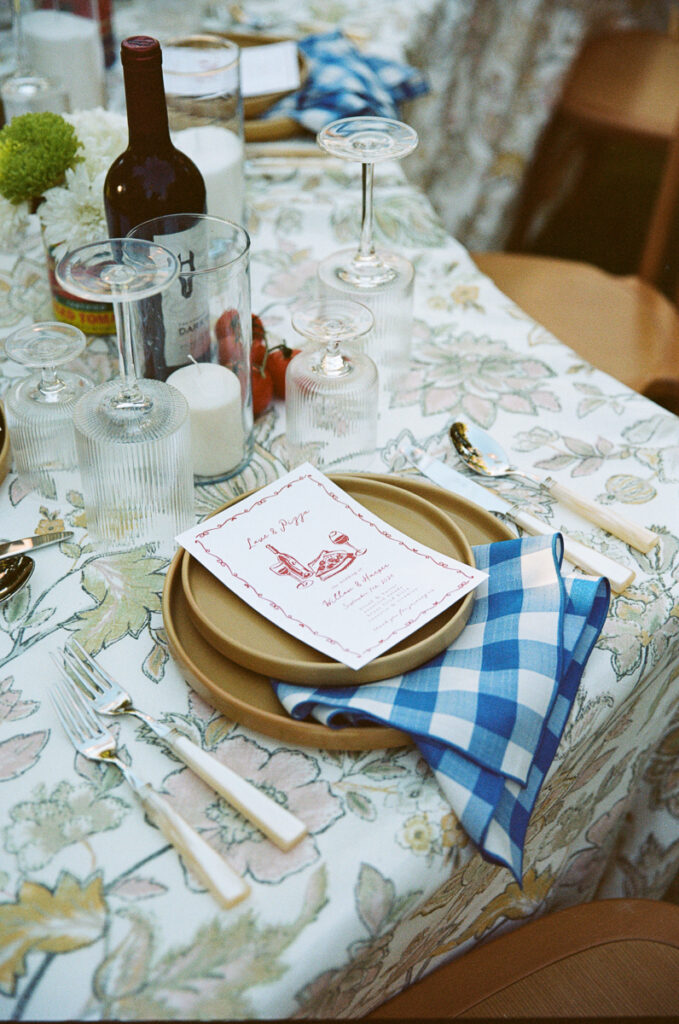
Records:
x=611, y=958
x=624, y=84
x=621, y=325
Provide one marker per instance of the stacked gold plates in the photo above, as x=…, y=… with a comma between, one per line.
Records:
x=228, y=652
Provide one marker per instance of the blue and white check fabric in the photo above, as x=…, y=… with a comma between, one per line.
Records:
x=342, y=82
x=488, y=713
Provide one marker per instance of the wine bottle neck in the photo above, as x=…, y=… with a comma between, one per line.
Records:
x=147, y=120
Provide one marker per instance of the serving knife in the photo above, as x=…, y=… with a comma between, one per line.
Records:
x=445, y=476
x=18, y=547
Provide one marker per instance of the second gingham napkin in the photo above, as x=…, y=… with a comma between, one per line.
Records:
x=342, y=82
x=488, y=713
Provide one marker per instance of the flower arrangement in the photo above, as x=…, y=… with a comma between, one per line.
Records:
x=55, y=165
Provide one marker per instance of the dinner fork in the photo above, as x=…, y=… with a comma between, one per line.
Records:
x=93, y=741
x=109, y=698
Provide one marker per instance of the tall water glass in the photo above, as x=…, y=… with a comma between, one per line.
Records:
x=200, y=341
x=62, y=41
x=201, y=74
x=25, y=88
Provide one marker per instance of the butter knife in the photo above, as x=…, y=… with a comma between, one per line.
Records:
x=17, y=547
x=445, y=476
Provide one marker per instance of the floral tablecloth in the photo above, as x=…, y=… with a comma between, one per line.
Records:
x=495, y=70
x=96, y=909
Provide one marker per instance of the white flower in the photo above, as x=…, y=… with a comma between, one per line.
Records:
x=72, y=214
x=103, y=135
x=13, y=221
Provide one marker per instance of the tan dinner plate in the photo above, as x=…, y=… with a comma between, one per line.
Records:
x=247, y=697
x=248, y=638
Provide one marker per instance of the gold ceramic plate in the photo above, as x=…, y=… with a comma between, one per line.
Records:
x=247, y=697
x=248, y=638
x=4, y=445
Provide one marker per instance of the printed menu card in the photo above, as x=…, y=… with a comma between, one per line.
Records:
x=319, y=565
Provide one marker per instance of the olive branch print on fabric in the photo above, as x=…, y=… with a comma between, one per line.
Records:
x=133, y=979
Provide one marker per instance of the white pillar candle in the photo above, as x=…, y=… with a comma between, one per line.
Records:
x=218, y=154
x=213, y=395
x=68, y=49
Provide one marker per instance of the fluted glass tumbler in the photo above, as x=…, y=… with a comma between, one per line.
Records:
x=331, y=389
x=40, y=406
x=132, y=435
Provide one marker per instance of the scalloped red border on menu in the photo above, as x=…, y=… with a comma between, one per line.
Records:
x=322, y=567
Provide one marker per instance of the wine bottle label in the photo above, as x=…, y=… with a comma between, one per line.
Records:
x=185, y=304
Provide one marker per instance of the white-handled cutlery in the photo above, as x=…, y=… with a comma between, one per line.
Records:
x=445, y=476
x=93, y=741
x=108, y=697
x=483, y=454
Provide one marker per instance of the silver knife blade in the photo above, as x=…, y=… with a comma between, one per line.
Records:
x=445, y=476
x=591, y=561
x=17, y=547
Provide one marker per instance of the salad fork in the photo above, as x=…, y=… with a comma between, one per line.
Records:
x=109, y=698
x=93, y=741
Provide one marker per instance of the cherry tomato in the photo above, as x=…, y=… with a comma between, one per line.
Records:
x=259, y=351
x=259, y=345
x=262, y=390
x=229, y=338
x=258, y=331
x=277, y=364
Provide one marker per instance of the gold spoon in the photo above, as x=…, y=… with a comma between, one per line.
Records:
x=15, y=572
x=485, y=455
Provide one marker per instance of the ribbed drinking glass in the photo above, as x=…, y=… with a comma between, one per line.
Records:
x=331, y=388
x=40, y=406
x=132, y=435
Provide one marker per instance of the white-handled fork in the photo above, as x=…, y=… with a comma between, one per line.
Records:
x=89, y=737
x=109, y=698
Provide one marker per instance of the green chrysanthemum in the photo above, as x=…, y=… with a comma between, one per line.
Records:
x=35, y=152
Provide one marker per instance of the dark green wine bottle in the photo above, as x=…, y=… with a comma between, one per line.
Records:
x=151, y=178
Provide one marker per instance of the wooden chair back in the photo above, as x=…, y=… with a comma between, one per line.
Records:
x=612, y=958
x=624, y=84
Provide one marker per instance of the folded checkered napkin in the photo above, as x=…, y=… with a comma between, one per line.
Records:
x=342, y=82
x=488, y=713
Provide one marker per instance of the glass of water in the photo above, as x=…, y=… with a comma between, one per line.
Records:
x=331, y=388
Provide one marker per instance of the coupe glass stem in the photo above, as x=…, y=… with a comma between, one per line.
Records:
x=333, y=363
x=130, y=395
x=366, y=248
x=366, y=264
x=18, y=32
x=50, y=384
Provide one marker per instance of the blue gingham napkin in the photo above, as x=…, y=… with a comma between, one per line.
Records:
x=342, y=82
x=488, y=713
